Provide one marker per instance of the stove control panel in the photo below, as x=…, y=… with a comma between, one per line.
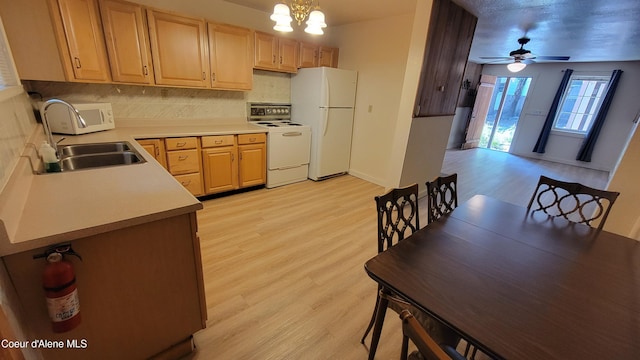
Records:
x=268, y=111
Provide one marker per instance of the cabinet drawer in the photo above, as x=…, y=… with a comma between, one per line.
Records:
x=181, y=143
x=252, y=138
x=192, y=182
x=183, y=161
x=218, y=140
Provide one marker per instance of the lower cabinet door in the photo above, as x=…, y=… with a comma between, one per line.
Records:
x=220, y=169
x=253, y=164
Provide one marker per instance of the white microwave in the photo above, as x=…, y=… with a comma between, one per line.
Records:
x=97, y=116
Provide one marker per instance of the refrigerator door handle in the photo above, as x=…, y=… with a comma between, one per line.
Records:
x=325, y=119
x=327, y=92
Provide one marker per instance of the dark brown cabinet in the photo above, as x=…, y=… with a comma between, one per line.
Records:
x=448, y=43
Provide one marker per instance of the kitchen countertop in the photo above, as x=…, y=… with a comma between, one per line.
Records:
x=41, y=210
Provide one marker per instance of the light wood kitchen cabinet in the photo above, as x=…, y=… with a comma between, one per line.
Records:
x=156, y=148
x=230, y=57
x=328, y=56
x=312, y=55
x=125, y=31
x=178, y=49
x=80, y=31
x=183, y=162
x=252, y=153
x=275, y=53
x=220, y=163
x=307, y=55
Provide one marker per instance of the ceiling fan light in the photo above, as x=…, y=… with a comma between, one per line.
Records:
x=516, y=66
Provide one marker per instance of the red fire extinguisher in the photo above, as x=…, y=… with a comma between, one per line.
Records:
x=59, y=282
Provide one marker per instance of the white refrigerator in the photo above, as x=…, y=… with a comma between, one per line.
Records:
x=324, y=99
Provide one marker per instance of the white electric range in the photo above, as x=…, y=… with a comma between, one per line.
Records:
x=288, y=143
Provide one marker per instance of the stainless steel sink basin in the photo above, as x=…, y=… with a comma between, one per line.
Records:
x=81, y=162
x=95, y=148
x=97, y=155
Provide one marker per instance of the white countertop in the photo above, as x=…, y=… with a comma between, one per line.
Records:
x=41, y=210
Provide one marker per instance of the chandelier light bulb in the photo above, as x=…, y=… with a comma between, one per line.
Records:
x=315, y=23
x=282, y=17
x=285, y=11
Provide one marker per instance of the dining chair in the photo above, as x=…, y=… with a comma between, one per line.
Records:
x=398, y=217
x=442, y=193
x=427, y=346
x=573, y=201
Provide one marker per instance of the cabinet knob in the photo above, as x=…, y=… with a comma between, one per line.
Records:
x=183, y=157
x=77, y=61
x=145, y=70
x=441, y=88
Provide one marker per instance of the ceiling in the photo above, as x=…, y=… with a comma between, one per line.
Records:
x=585, y=30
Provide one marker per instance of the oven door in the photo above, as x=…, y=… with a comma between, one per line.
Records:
x=287, y=148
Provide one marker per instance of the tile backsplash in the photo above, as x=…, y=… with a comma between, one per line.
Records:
x=150, y=102
x=17, y=123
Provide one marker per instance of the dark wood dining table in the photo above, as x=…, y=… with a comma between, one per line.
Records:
x=519, y=285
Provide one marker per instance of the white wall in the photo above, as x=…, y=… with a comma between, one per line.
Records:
x=624, y=218
x=378, y=51
x=564, y=148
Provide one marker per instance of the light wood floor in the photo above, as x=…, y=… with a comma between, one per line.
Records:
x=283, y=267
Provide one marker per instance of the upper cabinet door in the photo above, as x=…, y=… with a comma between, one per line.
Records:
x=328, y=56
x=307, y=55
x=231, y=57
x=288, y=55
x=179, y=49
x=127, y=41
x=84, y=38
x=266, y=51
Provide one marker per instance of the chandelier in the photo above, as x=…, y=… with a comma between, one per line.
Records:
x=301, y=10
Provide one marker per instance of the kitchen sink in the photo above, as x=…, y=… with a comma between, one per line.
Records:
x=81, y=162
x=95, y=148
x=97, y=155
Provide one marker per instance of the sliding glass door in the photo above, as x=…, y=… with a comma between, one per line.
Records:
x=506, y=104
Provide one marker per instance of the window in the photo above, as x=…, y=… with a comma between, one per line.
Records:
x=580, y=103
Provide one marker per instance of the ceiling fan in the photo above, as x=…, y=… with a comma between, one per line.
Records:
x=521, y=57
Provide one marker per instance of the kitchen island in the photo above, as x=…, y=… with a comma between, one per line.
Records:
x=140, y=282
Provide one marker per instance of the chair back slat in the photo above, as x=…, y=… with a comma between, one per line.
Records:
x=427, y=346
x=443, y=196
x=572, y=201
x=398, y=215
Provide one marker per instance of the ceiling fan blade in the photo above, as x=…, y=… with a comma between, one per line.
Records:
x=496, y=57
x=563, y=58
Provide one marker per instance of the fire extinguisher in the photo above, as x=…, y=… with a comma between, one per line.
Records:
x=61, y=293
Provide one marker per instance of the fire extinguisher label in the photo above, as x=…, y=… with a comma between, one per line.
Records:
x=64, y=307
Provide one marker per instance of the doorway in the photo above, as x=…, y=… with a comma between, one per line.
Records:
x=509, y=95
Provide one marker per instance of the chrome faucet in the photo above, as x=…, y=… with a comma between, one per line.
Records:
x=45, y=122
